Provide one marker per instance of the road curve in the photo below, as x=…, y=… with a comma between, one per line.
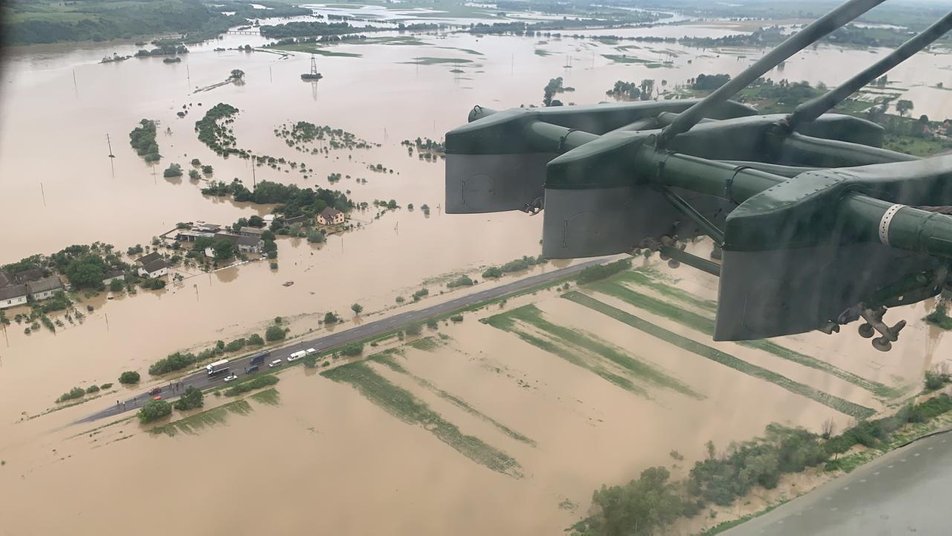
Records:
x=201, y=380
x=901, y=492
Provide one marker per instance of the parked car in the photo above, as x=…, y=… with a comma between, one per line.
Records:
x=155, y=391
x=231, y=377
x=275, y=363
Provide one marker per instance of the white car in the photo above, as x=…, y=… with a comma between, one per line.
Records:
x=231, y=377
x=275, y=363
x=310, y=351
x=296, y=355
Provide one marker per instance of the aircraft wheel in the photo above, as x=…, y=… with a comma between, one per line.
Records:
x=673, y=264
x=866, y=331
x=664, y=257
x=882, y=344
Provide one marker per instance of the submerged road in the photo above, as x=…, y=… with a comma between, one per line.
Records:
x=905, y=491
x=202, y=380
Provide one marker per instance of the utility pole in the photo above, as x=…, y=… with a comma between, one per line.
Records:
x=109, y=143
x=43, y=193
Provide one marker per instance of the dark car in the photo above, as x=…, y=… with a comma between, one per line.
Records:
x=155, y=391
x=253, y=368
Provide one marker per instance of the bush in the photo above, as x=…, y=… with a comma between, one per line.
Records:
x=457, y=318
x=492, y=273
x=174, y=170
x=331, y=318
x=196, y=162
x=414, y=329
x=173, y=362
x=105, y=386
x=92, y=389
x=129, y=377
x=310, y=361
x=935, y=380
x=193, y=398
x=207, y=170
x=255, y=383
x=601, y=271
x=255, y=340
x=353, y=349
x=274, y=333
x=194, y=174
x=154, y=410
x=432, y=324
x=461, y=281
x=235, y=345
x=423, y=292
x=117, y=285
x=152, y=284
x=72, y=394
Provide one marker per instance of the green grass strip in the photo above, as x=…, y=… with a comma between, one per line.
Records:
x=397, y=367
x=270, y=397
x=427, y=344
x=706, y=325
x=403, y=405
x=835, y=402
x=646, y=277
x=198, y=422
x=507, y=323
x=530, y=314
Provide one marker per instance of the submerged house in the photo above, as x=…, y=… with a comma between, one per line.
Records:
x=330, y=216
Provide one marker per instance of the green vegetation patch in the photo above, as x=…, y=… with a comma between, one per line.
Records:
x=706, y=325
x=403, y=405
x=456, y=401
x=193, y=424
x=835, y=402
x=270, y=397
x=624, y=58
x=427, y=344
x=257, y=382
x=531, y=315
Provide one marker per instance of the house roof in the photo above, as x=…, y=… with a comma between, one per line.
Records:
x=146, y=259
x=13, y=291
x=44, y=285
x=252, y=231
x=33, y=274
x=330, y=213
x=4, y=279
x=155, y=265
x=248, y=240
x=231, y=237
x=111, y=274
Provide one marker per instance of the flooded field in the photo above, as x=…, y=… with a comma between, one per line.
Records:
x=501, y=426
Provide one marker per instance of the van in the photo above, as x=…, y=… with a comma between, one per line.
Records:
x=296, y=355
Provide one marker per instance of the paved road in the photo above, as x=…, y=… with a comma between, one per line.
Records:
x=903, y=492
x=364, y=331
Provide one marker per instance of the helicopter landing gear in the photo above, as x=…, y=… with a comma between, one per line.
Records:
x=874, y=322
x=866, y=330
x=882, y=344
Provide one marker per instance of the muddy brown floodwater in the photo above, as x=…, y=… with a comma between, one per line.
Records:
x=326, y=459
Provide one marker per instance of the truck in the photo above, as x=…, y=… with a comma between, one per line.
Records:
x=258, y=360
x=217, y=367
x=296, y=355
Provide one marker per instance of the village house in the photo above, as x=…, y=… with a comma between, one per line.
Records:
x=12, y=295
x=113, y=275
x=330, y=216
x=44, y=288
x=153, y=265
x=251, y=231
x=244, y=244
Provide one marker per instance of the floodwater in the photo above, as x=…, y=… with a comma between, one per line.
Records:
x=325, y=447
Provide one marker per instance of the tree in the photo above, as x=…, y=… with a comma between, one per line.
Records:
x=274, y=333
x=255, y=340
x=116, y=285
x=237, y=74
x=86, y=272
x=193, y=398
x=207, y=169
x=129, y=377
x=174, y=170
x=647, y=88
x=223, y=249
x=153, y=410
x=554, y=86
x=357, y=308
x=194, y=175
x=331, y=318
x=904, y=106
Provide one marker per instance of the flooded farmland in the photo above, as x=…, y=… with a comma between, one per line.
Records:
x=503, y=423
